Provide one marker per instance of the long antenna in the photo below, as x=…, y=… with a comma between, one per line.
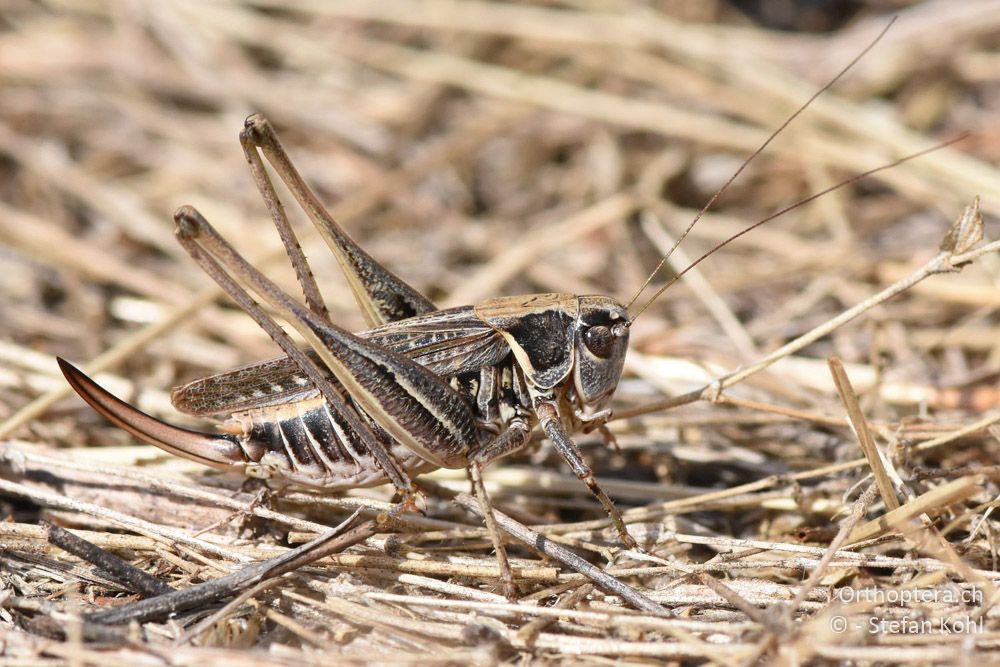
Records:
x=748, y=160
x=791, y=207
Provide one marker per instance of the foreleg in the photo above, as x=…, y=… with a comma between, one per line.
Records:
x=548, y=418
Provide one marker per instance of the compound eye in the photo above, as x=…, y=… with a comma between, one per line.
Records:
x=599, y=340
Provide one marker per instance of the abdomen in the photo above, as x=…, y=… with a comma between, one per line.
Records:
x=305, y=442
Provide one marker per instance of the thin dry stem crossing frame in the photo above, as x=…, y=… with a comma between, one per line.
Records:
x=846, y=121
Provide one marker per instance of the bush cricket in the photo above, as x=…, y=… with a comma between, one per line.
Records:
x=421, y=389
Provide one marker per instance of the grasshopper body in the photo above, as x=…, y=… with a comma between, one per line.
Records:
x=284, y=428
x=421, y=389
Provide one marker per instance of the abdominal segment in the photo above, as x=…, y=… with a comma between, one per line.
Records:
x=307, y=443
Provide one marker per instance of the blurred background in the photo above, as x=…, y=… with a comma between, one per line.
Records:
x=481, y=149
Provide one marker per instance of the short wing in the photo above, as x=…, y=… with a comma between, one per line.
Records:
x=447, y=342
x=255, y=385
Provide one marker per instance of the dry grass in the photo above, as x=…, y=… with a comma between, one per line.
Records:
x=481, y=149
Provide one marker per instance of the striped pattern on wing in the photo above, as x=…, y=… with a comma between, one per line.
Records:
x=448, y=342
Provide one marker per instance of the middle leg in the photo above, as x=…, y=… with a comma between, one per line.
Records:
x=515, y=437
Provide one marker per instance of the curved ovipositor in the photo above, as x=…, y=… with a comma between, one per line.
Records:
x=218, y=450
x=303, y=442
